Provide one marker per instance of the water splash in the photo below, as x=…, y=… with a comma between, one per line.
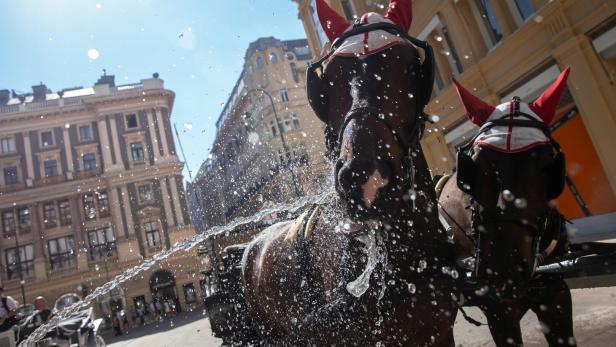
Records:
x=292, y=208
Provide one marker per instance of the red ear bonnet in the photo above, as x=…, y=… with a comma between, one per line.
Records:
x=477, y=111
x=332, y=23
x=401, y=13
x=545, y=105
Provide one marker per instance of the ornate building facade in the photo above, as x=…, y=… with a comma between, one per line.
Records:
x=90, y=185
x=269, y=144
x=501, y=48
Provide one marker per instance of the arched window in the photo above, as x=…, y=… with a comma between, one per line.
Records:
x=259, y=62
x=273, y=58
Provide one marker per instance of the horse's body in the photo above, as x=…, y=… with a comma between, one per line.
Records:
x=369, y=272
x=497, y=206
x=547, y=296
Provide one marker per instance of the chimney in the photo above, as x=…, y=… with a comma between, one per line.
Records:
x=39, y=92
x=5, y=95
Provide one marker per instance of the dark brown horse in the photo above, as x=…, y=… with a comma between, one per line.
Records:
x=363, y=271
x=497, y=205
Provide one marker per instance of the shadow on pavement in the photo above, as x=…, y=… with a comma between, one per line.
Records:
x=155, y=327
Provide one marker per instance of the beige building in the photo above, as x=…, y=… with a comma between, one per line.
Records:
x=90, y=185
x=501, y=48
x=269, y=144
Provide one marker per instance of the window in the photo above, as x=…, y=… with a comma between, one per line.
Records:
x=136, y=150
x=64, y=207
x=273, y=58
x=321, y=38
x=347, y=8
x=50, y=218
x=46, y=139
x=51, y=168
x=62, y=252
x=102, y=244
x=260, y=62
x=151, y=234
x=8, y=145
x=89, y=207
x=131, y=121
x=451, y=54
x=294, y=72
x=145, y=193
x=10, y=175
x=89, y=162
x=24, y=219
x=488, y=19
x=85, y=133
x=20, y=262
x=103, y=204
x=295, y=121
x=522, y=9
x=273, y=128
x=284, y=95
x=8, y=222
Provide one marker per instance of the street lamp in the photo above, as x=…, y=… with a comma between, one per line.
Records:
x=280, y=133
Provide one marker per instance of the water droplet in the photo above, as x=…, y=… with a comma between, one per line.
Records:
x=438, y=38
x=538, y=19
x=410, y=95
x=93, y=54
x=434, y=118
x=188, y=126
x=508, y=195
x=412, y=288
x=520, y=203
x=67, y=125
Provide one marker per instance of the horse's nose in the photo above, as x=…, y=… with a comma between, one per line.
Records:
x=362, y=179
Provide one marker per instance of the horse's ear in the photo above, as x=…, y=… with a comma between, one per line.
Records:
x=545, y=105
x=332, y=23
x=401, y=13
x=477, y=111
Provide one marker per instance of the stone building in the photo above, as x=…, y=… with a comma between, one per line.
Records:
x=90, y=185
x=501, y=48
x=269, y=145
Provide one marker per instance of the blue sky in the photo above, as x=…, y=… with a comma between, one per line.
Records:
x=197, y=47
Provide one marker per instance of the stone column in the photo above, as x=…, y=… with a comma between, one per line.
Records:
x=28, y=154
x=162, y=132
x=153, y=137
x=104, y=141
x=116, y=143
x=81, y=244
x=130, y=224
x=176, y=201
x=116, y=213
x=40, y=262
x=165, y=197
x=69, y=153
x=590, y=98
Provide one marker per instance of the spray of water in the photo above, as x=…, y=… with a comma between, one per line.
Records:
x=292, y=208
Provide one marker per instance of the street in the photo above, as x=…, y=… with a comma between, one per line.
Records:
x=594, y=312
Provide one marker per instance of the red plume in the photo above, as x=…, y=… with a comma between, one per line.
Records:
x=545, y=105
x=401, y=13
x=477, y=111
x=332, y=23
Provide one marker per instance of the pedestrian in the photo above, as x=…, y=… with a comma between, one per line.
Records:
x=153, y=311
x=167, y=308
x=8, y=308
x=42, y=312
x=159, y=310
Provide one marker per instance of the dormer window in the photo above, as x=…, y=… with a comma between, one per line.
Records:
x=273, y=58
x=259, y=62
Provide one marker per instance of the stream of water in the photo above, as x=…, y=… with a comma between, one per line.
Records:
x=180, y=246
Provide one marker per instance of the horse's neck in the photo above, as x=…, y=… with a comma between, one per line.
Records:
x=422, y=220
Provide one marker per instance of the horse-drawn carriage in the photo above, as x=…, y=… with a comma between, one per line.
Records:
x=378, y=263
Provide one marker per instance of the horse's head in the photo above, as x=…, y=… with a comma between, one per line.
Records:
x=370, y=93
x=512, y=169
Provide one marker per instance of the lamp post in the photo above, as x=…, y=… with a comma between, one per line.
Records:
x=285, y=148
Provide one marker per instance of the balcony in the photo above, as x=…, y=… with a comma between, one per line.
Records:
x=48, y=181
x=82, y=174
x=9, y=188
